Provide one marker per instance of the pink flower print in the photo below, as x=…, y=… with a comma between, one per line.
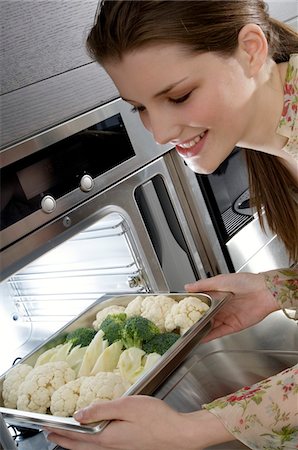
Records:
x=244, y=395
x=288, y=387
x=285, y=110
x=289, y=89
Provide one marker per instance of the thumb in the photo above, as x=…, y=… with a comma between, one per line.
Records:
x=117, y=409
x=97, y=411
x=208, y=284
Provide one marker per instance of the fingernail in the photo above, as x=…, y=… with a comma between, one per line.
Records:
x=78, y=415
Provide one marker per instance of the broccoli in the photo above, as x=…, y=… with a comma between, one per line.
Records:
x=138, y=330
x=112, y=327
x=81, y=336
x=160, y=343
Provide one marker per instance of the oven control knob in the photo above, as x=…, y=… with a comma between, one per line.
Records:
x=86, y=183
x=48, y=204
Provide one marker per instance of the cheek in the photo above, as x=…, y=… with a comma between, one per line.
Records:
x=145, y=121
x=202, y=111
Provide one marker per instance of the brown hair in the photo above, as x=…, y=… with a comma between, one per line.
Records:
x=126, y=25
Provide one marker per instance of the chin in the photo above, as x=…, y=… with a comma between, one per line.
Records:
x=202, y=169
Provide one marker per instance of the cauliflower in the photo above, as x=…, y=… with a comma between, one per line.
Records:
x=185, y=313
x=102, y=386
x=156, y=308
x=64, y=400
x=36, y=390
x=13, y=379
x=134, y=308
x=101, y=315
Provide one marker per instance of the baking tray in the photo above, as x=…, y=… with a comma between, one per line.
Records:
x=145, y=385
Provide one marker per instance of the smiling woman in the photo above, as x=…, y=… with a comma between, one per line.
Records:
x=207, y=76
x=199, y=73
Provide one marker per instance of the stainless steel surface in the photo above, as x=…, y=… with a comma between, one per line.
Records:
x=251, y=249
x=255, y=250
x=6, y=440
x=145, y=385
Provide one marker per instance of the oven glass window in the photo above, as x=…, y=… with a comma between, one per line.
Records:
x=58, y=168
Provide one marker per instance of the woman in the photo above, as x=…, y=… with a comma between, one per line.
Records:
x=207, y=76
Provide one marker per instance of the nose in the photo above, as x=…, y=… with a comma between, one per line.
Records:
x=162, y=126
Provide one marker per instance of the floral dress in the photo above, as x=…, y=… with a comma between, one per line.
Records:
x=264, y=416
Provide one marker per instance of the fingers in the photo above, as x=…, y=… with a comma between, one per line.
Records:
x=71, y=440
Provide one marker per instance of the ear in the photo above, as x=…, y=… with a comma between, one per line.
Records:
x=253, y=45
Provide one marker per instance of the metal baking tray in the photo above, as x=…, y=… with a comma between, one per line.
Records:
x=145, y=385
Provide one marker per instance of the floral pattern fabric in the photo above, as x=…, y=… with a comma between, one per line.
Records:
x=283, y=285
x=288, y=125
x=264, y=416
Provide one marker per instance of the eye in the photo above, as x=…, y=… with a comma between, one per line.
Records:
x=138, y=109
x=180, y=99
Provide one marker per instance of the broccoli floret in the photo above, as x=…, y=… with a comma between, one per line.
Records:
x=160, y=343
x=112, y=327
x=138, y=330
x=81, y=336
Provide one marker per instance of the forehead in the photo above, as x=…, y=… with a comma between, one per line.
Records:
x=151, y=65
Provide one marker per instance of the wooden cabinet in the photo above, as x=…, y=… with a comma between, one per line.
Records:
x=47, y=76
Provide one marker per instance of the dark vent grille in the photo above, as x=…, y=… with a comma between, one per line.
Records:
x=234, y=221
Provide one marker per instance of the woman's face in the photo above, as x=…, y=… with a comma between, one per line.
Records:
x=200, y=103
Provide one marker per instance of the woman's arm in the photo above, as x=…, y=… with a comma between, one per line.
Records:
x=255, y=296
x=265, y=415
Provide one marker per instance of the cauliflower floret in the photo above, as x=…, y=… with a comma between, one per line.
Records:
x=39, y=385
x=101, y=315
x=103, y=386
x=156, y=308
x=185, y=313
x=134, y=308
x=13, y=379
x=64, y=400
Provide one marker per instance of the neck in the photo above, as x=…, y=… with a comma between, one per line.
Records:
x=266, y=109
x=268, y=104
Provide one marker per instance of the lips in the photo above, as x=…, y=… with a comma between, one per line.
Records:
x=193, y=147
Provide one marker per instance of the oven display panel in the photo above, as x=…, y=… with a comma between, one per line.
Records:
x=58, y=169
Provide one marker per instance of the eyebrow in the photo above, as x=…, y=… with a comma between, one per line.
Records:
x=164, y=91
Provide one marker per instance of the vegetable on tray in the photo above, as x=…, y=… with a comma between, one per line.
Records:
x=101, y=362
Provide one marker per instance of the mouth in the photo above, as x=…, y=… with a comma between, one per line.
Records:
x=193, y=147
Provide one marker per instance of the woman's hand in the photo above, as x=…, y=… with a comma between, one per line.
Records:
x=143, y=423
x=252, y=301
